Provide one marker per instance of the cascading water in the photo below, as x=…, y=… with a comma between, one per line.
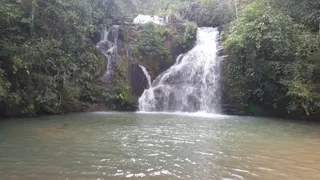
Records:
x=192, y=83
x=143, y=19
x=144, y=70
x=109, y=48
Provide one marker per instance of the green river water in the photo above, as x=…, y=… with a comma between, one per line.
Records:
x=116, y=146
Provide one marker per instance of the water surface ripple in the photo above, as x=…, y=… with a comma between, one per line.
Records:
x=158, y=146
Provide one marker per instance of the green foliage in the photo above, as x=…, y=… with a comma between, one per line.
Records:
x=48, y=62
x=153, y=46
x=188, y=37
x=121, y=85
x=272, y=60
x=150, y=47
x=302, y=75
x=158, y=7
x=4, y=86
x=8, y=10
x=166, y=6
x=212, y=13
x=303, y=11
x=151, y=40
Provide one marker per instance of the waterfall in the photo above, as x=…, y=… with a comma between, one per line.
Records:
x=143, y=19
x=108, y=46
x=192, y=83
x=144, y=69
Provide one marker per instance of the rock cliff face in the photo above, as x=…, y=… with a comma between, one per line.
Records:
x=152, y=46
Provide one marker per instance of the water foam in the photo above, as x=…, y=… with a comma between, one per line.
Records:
x=144, y=19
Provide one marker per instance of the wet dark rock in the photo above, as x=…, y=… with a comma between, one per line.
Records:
x=96, y=37
x=137, y=79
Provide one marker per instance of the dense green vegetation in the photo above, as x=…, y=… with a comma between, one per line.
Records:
x=152, y=38
x=49, y=62
x=150, y=43
x=273, y=60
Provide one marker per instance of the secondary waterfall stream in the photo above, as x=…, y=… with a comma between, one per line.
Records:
x=108, y=46
x=192, y=83
x=145, y=71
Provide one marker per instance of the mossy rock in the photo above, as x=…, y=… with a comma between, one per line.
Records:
x=157, y=46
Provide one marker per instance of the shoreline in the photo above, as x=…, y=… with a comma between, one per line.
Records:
x=111, y=111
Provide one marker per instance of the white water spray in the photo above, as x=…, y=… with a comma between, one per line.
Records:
x=144, y=19
x=192, y=83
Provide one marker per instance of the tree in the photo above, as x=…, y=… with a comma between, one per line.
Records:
x=271, y=61
x=303, y=11
x=48, y=62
